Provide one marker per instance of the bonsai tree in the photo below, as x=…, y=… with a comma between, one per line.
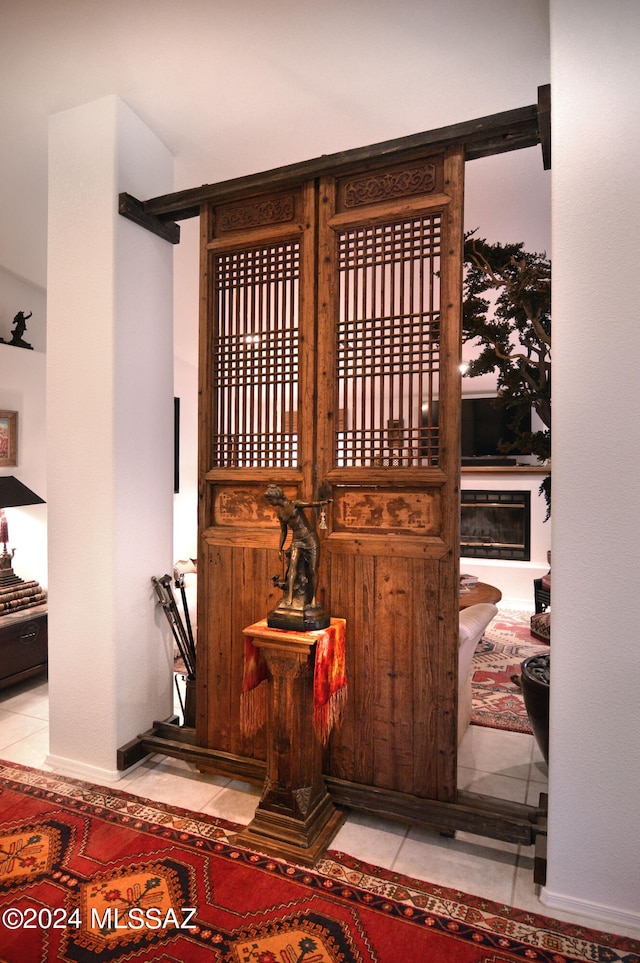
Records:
x=513, y=328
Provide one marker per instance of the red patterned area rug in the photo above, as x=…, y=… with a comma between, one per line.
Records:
x=92, y=875
x=497, y=701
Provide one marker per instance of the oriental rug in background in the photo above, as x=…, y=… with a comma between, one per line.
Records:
x=497, y=701
x=100, y=875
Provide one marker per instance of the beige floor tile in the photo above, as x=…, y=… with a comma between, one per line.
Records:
x=493, y=750
x=525, y=891
x=534, y=790
x=174, y=782
x=470, y=863
x=493, y=784
x=27, y=699
x=236, y=802
x=15, y=726
x=32, y=750
x=370, y=838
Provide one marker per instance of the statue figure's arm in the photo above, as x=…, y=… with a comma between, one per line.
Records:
x=325, y=501
x=283, y=535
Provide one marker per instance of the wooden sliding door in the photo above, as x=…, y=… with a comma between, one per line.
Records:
x=258, y=260
x=330, y=352
x=388, y=349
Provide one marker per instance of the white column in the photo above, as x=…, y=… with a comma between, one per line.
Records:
x=594, y=772
x=109, y=437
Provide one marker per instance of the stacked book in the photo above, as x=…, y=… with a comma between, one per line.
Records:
x=467, y=582
x=20, y=595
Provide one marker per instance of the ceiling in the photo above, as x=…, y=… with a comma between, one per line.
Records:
x=238, y=86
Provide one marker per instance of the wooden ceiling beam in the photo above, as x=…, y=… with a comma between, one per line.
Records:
x=134, y=210
x=483, y=137
x=544, y=124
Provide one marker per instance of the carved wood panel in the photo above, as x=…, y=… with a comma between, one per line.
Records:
x=376, y=510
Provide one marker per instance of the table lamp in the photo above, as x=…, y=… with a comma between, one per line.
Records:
x=13, y=494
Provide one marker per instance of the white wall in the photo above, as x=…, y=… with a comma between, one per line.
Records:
x=185, y=502
x=594, y=770
x=185, y=373
x=109, y=438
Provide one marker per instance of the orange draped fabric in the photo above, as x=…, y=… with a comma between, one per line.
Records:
x=329, y=679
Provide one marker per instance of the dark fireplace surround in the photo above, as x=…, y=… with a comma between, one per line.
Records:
x=495, y=524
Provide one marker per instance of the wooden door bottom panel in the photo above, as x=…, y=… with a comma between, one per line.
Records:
x=386, y=545
x=398, y=729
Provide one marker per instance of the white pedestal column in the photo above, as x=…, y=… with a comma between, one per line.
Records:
x=109, y=437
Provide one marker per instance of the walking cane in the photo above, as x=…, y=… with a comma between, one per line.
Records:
x=187, y=617
x=165, y=596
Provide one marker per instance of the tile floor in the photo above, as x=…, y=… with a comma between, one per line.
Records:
x=503, y=764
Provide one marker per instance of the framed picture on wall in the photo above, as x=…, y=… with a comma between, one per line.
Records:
x=8, y=438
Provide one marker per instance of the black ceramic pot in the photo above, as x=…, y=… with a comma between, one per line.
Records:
x=534, y=682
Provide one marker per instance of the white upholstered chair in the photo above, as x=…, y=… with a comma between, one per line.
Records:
x=473, y=622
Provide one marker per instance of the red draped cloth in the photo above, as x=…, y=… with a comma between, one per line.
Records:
x=329, y=678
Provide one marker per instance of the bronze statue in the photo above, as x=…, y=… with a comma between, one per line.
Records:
x=19, y=328
x=299, y=609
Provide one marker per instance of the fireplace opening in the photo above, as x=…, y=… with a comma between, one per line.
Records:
x=495, y=524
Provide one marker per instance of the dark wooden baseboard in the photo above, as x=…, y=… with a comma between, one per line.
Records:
x=472, y=812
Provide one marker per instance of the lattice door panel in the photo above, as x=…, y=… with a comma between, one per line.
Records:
x=255, y=357
x=388, y=342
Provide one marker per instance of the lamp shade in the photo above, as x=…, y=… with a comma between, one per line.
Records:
x=13, y=493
